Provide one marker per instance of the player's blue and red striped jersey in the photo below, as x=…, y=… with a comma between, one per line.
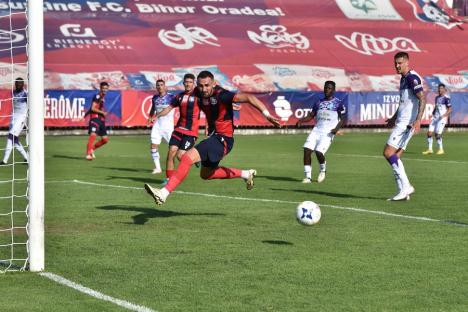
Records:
x=189, y=113
x=99, y=100
x=219, y=112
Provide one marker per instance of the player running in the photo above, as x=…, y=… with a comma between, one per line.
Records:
x=406, y=121
x=17, y=121
x=216, y=103
x=329, y=113
x=97, y=121
x=440, y=115
x=162, y=126
x=186, y=132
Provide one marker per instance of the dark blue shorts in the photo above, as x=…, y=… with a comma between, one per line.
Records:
x=97, y=126
x=182, y=141
x=213, y=149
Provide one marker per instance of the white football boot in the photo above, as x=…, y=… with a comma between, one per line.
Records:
x=306, y=181
x=250, y=180
x=321, y=177
x=158, y=196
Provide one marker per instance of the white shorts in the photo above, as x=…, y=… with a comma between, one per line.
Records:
x=17, y=124
x=400, y=137
x=158, y=134
x=437, y=125
x=319, y=141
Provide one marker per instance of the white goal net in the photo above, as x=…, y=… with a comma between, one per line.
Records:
x=21, y=163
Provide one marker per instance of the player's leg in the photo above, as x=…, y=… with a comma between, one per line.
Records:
x=160, y=195
x=170, y=160
x=322, y=147
x=429, y=138
x=104, y=140
x=309, y=147
x=393, y=151
x=8, y=149
x=156, y=139
x=439, y=130
x=19, y=147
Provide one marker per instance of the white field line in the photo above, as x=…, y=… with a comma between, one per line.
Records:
x=404, y=158
x=96, y=294
x=378, y=212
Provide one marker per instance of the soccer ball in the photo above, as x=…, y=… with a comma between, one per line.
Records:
x=308, y=213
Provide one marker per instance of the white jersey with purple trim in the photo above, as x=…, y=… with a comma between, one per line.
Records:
x=410, y=85
x=327, y=114
x=442, y=104
x=159, y=103
x=20, y=102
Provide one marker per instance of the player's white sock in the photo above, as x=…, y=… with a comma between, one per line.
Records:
x=19, y=147
x=245, y=174
x=8, y=149
x=308, y=171
x=323, y=167
x=439, y=143
x=400, y=170
x=155, y=156
x=429, y=143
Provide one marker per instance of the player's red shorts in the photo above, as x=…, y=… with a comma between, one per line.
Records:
x=213, y=149
x=182, y=141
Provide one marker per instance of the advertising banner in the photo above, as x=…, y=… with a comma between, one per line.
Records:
x=68, y=108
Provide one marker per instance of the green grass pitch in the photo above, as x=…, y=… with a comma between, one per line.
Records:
x=201, y=253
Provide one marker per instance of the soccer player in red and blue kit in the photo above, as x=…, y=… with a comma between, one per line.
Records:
x=185, y=133
x=97, y=122
x=216, y=103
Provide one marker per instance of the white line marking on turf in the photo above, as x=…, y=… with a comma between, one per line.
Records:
x=378, y=212
x=96, y=294
x=405, y=158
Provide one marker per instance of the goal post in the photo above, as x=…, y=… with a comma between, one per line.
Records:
x=35, y=228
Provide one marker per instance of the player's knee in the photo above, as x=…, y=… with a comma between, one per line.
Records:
x=438, y=136
x=205, y=175
x=429, y=134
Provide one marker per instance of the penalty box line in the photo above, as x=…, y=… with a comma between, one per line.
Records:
x=377, y=212
x=96, y=294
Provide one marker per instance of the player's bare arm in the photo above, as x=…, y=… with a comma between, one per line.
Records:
x=449, y=111
x=422, y=105
x=391, y=121
x=339, y=124
x=255, y=102
x=95, y=109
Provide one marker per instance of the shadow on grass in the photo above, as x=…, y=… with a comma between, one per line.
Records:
x=277, y=242
x=275, y=178
x=127, y=169
x=69, y=157
x=148, y=213
x=154, y=182
x=330, y=194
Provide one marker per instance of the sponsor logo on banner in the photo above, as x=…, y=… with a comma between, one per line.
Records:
x=74, y=30
x=369, y=9
x=428, y=11
x=146, y=106
x=75, y=36
x=185, y=38
x=282, y=108
x=368, y=44
x=277, y=37
x=10, y=37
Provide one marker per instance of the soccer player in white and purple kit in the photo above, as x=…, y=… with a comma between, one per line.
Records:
x=442, y=110
x=405, y=122
x=164, y=125
x=17, y=121
x=329, y=113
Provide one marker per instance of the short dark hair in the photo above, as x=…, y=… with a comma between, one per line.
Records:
x=189, y=76
x=160, y=80
x=401, y=54
x=19, y=79
x=330, y=82
x=205, y=74
x=441, y=85
x=104, y=84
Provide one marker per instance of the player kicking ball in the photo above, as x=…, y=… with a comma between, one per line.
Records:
x=440, y=114
x=329, y=114
x=405, y=122
x=216, y=103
